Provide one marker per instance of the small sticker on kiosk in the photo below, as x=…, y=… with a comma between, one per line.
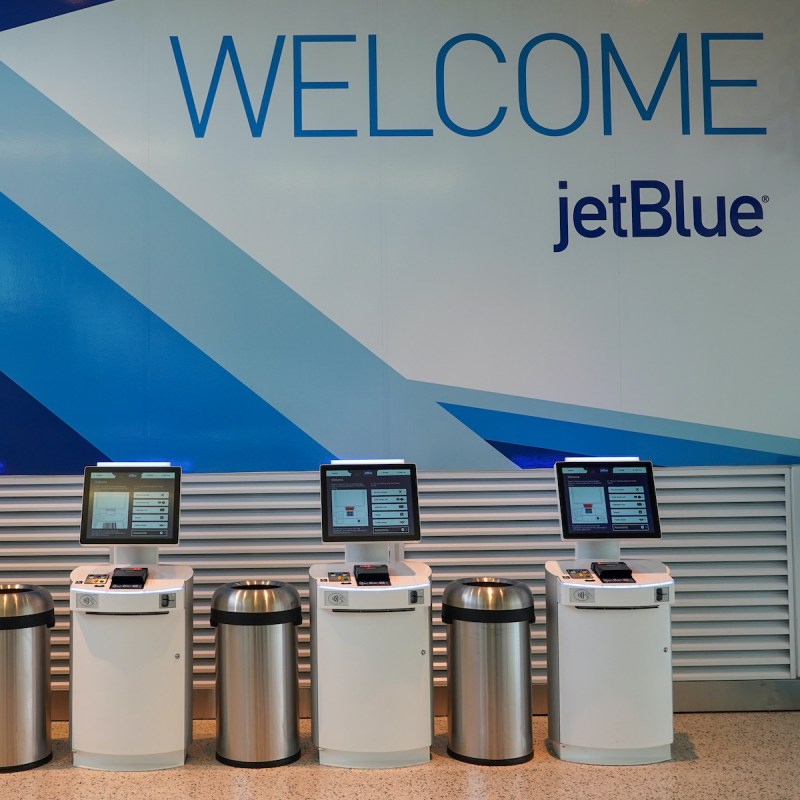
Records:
x=96, y=580
x=339, y=577
x=580, y=574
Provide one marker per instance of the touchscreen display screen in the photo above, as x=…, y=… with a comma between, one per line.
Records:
x=130, y=505
x=369, y=502
x=607, y=500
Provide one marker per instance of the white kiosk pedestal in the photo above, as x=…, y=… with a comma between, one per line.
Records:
x=609, y=664
x=371, y=670
x=131, y=671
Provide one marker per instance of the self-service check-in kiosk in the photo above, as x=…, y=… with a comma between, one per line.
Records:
x=609, y=650
x=131, y=648
x=372, y=689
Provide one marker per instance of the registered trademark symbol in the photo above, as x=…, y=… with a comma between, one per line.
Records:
x=765, y=198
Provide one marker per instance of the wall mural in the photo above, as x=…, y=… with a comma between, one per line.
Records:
x=260, y=235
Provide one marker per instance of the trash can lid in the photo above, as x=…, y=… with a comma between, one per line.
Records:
x=255, y=597
x=487, y=594
x=23, y=600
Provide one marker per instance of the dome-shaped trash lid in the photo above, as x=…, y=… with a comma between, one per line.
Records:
x=256, y=602
x=487, y=600
x=25, y=606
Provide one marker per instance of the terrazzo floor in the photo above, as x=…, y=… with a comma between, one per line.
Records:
x=715, y=756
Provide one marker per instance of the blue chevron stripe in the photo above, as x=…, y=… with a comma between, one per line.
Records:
x=534, y=440
x=15, y=13
x=75, y=340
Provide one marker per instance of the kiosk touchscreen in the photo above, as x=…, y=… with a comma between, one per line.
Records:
x=607, y=500
x=369, y=503
x=371, y=681
x=371, y=509
x=130, y=505
x=609, y=650
x=131, y=688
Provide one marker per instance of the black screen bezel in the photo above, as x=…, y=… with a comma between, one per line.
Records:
x=328, y=533
x=568, y=534
x=88, y=494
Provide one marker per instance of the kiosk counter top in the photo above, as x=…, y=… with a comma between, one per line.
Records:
x=575, y=583
x=336, y=587
x=164, y=589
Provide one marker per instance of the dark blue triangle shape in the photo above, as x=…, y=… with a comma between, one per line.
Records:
x=527, y=457
x=15, y=13
x=33, y=440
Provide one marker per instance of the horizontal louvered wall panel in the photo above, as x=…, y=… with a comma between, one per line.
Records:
x=726, y=540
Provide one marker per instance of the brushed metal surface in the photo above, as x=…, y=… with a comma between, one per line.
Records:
x=257, y=693
x=25, y=710
x=489, y=690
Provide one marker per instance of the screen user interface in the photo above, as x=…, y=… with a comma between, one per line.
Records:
x=130, y=505
x=369, y=503
x=607, y=500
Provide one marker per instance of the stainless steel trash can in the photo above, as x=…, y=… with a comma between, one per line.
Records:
x=488, y=670
x=257, y=682
x=26, y=616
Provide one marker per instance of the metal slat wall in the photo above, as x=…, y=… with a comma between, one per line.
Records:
x=727, y=539
x=729, y=546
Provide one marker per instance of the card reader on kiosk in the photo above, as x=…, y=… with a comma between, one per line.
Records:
x=129, y=578
x=131, y=625
x=364, y=654
x=609, y=648
x=372, y=574
x=613, y=571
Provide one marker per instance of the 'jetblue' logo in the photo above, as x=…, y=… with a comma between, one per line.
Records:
x=652, y=208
